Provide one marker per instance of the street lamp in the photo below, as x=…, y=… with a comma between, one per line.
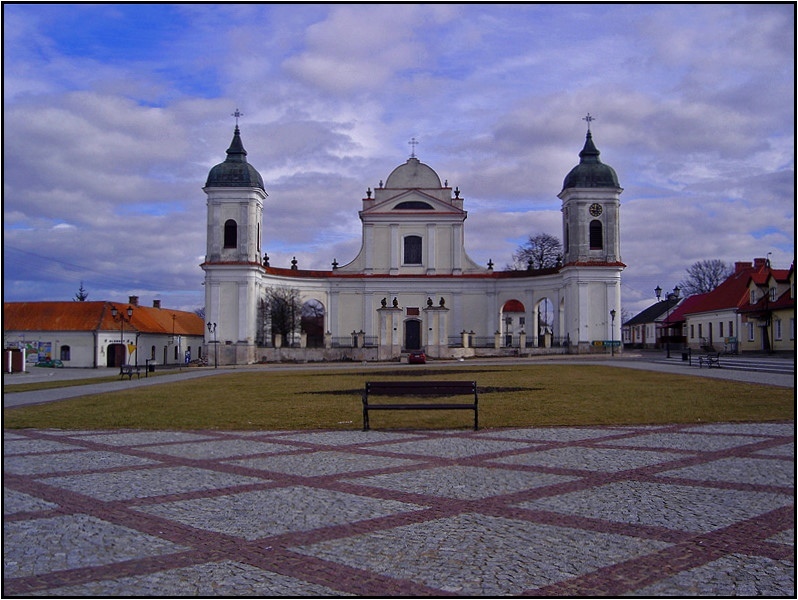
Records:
x=612, y=333
x=212, y=329
x=121, y=318
x=674, y=295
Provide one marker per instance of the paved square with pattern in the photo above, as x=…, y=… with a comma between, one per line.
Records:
x=682, y=510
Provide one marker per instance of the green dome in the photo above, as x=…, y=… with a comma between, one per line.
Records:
x=590, y=172
x=235, y=171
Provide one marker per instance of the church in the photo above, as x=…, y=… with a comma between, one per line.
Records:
x=412, y=286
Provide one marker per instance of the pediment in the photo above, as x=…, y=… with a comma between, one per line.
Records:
x=412, y=201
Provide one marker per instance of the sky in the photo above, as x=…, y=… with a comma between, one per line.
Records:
x=113, y=114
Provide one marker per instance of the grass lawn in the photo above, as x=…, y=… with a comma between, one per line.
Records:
x=509, y=396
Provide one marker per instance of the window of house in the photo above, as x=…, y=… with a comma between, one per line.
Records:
x=731, y=328
x=772, y=294
x=596, y=235
x=720, y=329
x=700, y=330
x=412, y=250
x=65, y=352
x=752, y=298
x=792, y=328
x=692, y=331
x=777, y=328
x=152, y=353
x=230, y=234
x=750, y=332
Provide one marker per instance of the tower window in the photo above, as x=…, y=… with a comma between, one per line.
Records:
x=596, y=235
x=230, y=234
x=413, y=250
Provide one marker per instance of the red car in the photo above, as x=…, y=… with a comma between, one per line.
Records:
x=417, y=357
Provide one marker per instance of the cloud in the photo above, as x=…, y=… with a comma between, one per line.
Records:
x=113, y=115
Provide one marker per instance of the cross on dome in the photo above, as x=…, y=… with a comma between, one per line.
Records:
x=237, y=114
x=413, y=143
x=588, y=118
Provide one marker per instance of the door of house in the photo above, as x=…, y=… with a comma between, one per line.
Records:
x=115, y=355
x=412, y=335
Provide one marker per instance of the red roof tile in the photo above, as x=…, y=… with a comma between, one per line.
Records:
x=96, y=316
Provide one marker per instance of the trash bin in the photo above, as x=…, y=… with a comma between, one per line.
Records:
x=685, y=355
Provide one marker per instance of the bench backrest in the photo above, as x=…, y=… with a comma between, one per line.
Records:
x=420, y=388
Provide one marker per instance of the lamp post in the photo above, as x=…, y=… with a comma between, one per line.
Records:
x=118, y=316
x=212, y=329
x=674, y=295
x=612, y=333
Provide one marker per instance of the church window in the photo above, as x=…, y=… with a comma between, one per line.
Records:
x=412, y=250
x=413, y=205
x=230, y=234
x=596, y=235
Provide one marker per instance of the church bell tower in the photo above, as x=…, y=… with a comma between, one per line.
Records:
x=591, y=250
x=235, y=197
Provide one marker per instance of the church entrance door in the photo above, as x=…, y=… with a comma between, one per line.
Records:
x=413, y=335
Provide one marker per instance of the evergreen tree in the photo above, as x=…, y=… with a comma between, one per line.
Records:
x=82, y=294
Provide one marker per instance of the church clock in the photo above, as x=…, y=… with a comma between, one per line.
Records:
x=595, y=209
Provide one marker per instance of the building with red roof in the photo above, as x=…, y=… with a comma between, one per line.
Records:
x=102, y=334
x=743, y=313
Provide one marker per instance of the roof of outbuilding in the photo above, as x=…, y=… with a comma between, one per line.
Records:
x=96, y=316
x=653, y=312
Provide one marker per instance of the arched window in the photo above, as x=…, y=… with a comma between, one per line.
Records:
x=596, y=235
x=65, y=352
x=230, y=234
x=412, y=250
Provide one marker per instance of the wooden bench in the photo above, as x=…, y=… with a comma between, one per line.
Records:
x=128, y=371
x=709, y=360
x=399, y=389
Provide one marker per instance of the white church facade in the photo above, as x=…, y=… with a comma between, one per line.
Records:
x=412, y=285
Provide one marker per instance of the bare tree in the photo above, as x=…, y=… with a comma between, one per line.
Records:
x=704, y=276
x=541, y=251
x=200, y=312
x=279, y=311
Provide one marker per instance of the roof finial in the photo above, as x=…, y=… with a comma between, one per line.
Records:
x=413, y=143
x=588, y=118
x=237, y=114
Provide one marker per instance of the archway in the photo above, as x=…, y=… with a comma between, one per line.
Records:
x=513, y=322
x=312, y=323
x=544, y=318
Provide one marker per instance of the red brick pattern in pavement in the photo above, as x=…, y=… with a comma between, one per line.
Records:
x=665, y=510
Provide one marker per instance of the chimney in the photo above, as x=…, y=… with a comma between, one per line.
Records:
x=133, y=300
x=156, y=304
x=741, y=266
x=760, y=263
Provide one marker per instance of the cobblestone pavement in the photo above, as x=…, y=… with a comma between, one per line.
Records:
x=684, y=510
